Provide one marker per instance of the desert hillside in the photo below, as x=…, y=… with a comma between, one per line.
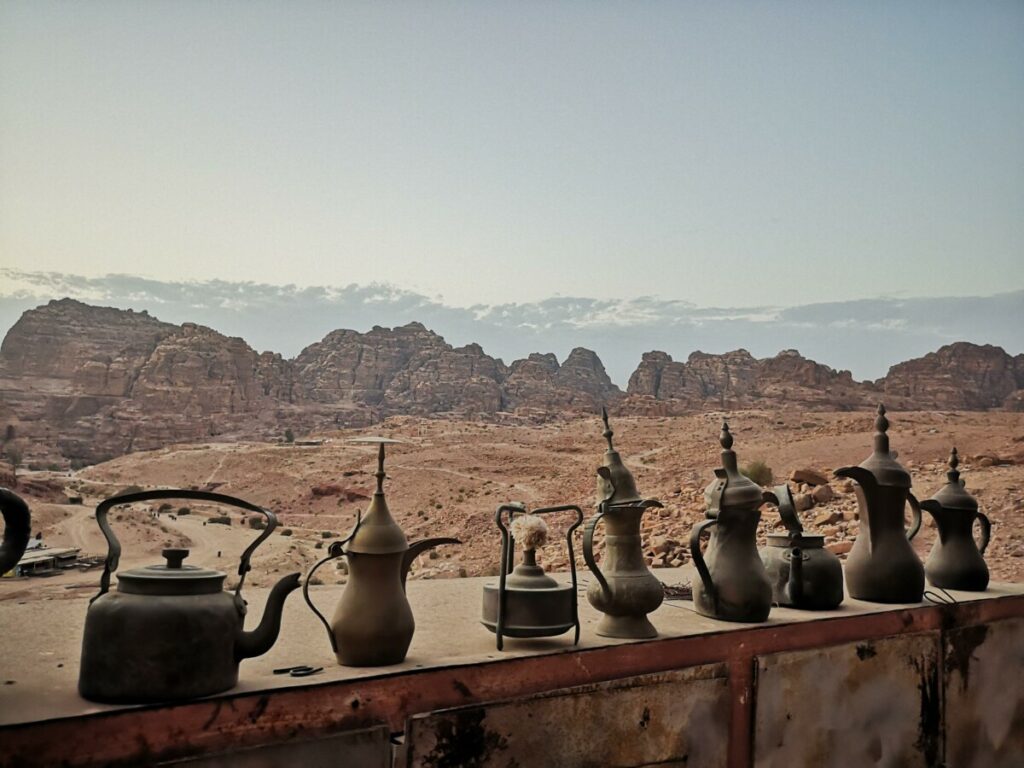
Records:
x=448, y=477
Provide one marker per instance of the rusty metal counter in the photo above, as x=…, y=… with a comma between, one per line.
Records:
x=453, y=664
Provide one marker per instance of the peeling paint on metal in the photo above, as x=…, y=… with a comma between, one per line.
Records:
x=669, y=719
x=850, y=706
x=984, y=695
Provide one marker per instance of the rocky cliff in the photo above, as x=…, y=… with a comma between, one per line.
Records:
x=959, y=376
x=81, y=384
x=739, y=380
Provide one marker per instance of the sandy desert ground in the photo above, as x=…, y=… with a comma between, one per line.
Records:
x=447, y=478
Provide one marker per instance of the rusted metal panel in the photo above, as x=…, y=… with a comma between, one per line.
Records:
x=366, y=748
x=669, y=719
x=984, y=695
x=874, y=703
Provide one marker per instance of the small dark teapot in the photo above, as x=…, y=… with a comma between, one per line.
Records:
x=956, y=562
x=170, y=631
x=17, y=523
x=803, y=574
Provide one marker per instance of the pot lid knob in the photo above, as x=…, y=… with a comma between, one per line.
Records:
x=174, y=556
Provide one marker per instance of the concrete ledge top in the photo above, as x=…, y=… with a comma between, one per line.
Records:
x=42, y=640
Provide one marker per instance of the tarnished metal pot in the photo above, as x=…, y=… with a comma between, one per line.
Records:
x=882, y=567
x=803, y=574
x=956, y=560
x=170, y=632
x=733, y=585
x=624, y=590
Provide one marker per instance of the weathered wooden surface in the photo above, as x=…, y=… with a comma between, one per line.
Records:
x=674, y=719
x=874, y=703
x=984, y=695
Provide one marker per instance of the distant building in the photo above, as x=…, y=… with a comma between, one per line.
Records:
x=41, y=561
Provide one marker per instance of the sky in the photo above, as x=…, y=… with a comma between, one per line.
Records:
x=842, y=178
x=721, y=154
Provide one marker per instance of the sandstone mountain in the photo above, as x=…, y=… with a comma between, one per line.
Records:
x=80, y=384
x=738, y=380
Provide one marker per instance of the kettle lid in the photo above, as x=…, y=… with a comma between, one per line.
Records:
x=953, y=495
x=619, y=487
x=377, y=533
x=881, y=463
x=171, y=577
x=740, y=491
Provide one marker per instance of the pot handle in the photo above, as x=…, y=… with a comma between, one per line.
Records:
x=698, y=558
x=986, y=531
x=114, y=546
x=915, y=518
x=336, y=550
x=588, y=550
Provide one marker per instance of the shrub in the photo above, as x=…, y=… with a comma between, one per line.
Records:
x=257, y=523
x=184, y=511
x=165, y=507
x=759, y=472
x=220, y=520
x=289, y=436
x=327, y=535
x=286, y=531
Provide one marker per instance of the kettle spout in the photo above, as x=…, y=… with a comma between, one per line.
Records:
x=796, y=576
x=259, y=640
x=863, y=477
x=417, y=548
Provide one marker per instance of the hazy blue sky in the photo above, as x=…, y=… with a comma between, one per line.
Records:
x=726, y=154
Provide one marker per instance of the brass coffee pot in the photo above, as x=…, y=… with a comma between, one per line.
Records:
x=803, y=574
x=733, y=584
x=882, y=567
x=17, y=525
x=526, y=602
x=373, y=624
x=170, y=631
x=956, y=561
x=625, y=591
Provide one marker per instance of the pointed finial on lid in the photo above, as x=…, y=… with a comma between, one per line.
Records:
x=379, y=474
x=607, y=428
x=954, y=461
x=725, y=438
x=881, y=427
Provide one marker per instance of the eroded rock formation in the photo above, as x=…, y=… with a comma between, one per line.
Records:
x=81, y=384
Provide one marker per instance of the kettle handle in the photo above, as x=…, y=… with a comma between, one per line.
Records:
x=114, y=546
x=915, y=517
x=337, y=549
x=588, y=549
x=334, y=551
x=17, y=529
x=698, y=558
x=782, y=497
x=986, y=531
